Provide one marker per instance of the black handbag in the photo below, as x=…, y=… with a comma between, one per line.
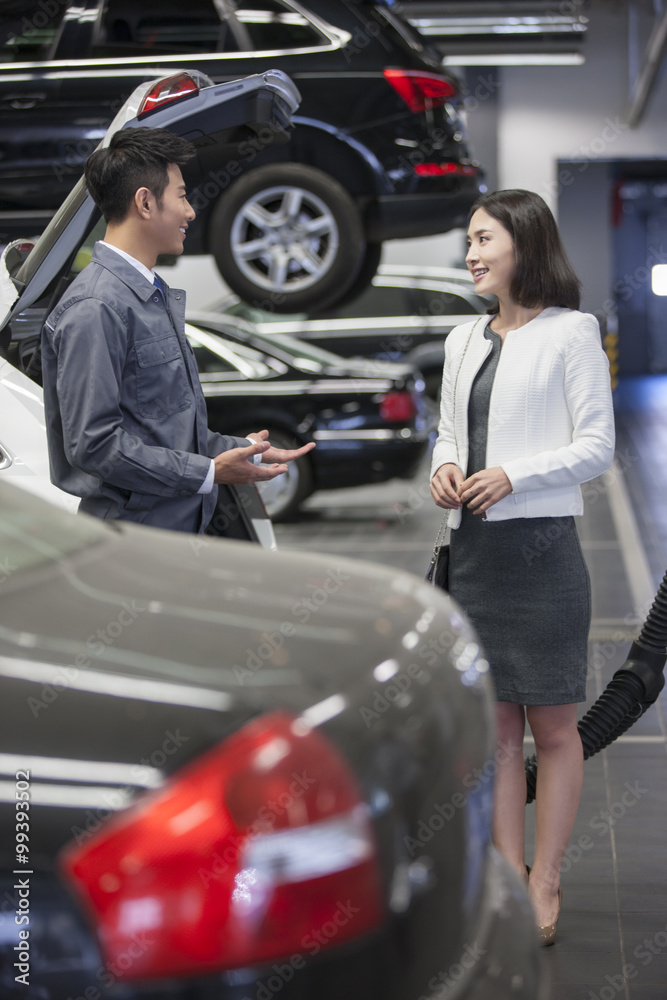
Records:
x=438, y=570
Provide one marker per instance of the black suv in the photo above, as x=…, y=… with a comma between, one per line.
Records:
x=378, y=151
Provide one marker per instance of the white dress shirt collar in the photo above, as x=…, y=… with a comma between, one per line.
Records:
x=141, y=268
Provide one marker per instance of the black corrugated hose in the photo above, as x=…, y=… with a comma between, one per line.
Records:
x=633, y=688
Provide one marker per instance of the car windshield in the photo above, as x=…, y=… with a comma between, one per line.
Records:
x=297, y=352
x=34, y=533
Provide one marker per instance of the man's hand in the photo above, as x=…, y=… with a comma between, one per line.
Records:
x=481, y=490
x=279, y=454
x=445, y=486
x=237, y=466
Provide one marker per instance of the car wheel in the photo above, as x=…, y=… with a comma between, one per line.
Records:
x=283, y=495
x=287, y=237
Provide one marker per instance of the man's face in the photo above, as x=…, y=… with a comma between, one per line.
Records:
x=171, y=220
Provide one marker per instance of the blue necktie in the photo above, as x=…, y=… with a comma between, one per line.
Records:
x=158, y=284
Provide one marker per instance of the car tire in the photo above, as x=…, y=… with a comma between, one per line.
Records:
x=283, y=495
x=288, y=238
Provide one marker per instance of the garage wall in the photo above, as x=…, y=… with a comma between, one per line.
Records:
x=577, y=113
x=540, y=115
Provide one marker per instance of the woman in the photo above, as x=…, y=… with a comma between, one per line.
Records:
x=526, y=417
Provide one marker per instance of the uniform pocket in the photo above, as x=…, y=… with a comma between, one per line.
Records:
x=162, y=381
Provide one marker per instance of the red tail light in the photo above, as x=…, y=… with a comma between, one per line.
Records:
x=421, y=91
x=444, y=169
x=259, y=849
x=397, y=407
x=168, y=91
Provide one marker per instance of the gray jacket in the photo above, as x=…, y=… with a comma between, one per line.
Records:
x=125, y=412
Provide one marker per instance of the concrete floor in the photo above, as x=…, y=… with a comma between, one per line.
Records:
x=612, y=940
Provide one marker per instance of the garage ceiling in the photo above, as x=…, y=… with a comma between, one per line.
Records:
x=496, y=33
x=541, y=32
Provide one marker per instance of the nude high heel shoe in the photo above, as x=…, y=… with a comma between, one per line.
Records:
x=547, y=934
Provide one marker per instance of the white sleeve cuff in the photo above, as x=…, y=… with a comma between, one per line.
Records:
x=207, y=485
x=257, y=457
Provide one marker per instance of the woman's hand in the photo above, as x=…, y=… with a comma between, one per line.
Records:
x=481, y=490
x=445, y=486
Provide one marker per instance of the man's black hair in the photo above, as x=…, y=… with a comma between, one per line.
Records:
x=134, y=158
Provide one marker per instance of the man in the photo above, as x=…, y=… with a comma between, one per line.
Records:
x=126, y=417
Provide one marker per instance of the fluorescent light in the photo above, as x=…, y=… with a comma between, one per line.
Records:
x=659, y=279
x=515, y=59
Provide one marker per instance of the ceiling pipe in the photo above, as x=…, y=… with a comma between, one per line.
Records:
x=655, y=52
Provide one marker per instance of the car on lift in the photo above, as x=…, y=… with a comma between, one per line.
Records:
x=231, y=773
x=379, y=150
x=404, y=315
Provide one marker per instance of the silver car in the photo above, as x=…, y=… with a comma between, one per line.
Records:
x=404, y=315
x=238, y=773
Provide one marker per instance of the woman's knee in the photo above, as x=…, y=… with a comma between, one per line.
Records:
x=553, y=727
x=510, y=721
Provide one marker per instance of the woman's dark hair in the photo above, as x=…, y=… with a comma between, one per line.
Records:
x=134, y=158
x=543, y=276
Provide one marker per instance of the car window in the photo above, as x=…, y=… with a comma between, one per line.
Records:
x=128, y=28
x=207, y=361
x=274, y=25
x=254, y=315
x=30, y=30
x=433, y=302
x=377, y=300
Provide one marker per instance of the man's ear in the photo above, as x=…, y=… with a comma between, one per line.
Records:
x=144, y=202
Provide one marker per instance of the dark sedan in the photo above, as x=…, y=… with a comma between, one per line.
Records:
x=229, y=773
x=368, y=427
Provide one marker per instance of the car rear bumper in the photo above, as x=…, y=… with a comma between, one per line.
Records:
x=403, y=216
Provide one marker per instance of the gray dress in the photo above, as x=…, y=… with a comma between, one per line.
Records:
x=522, y=582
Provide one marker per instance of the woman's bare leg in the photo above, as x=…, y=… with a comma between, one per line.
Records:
x=560, y=775
x=509, y=818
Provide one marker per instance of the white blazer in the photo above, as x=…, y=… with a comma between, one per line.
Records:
x=551, y=421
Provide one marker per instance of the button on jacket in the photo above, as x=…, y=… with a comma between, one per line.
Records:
x=551, y=421
x=126, y=416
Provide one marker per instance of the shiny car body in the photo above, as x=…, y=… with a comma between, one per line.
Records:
x=234, y=773
x=379, y=149
x=404, y=314
x=368, y=426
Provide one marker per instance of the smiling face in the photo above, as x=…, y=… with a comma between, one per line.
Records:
x=490, y=258
x=170, y=219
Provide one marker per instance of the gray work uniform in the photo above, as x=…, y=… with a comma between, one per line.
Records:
x=126, y=417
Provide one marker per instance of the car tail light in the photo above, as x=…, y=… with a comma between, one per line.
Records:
x=174, y=88
x=397, y=406
x=421, y=91
x=445, y=169
x=259, y=849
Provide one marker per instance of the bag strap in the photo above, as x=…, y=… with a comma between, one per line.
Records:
x=442, y=530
